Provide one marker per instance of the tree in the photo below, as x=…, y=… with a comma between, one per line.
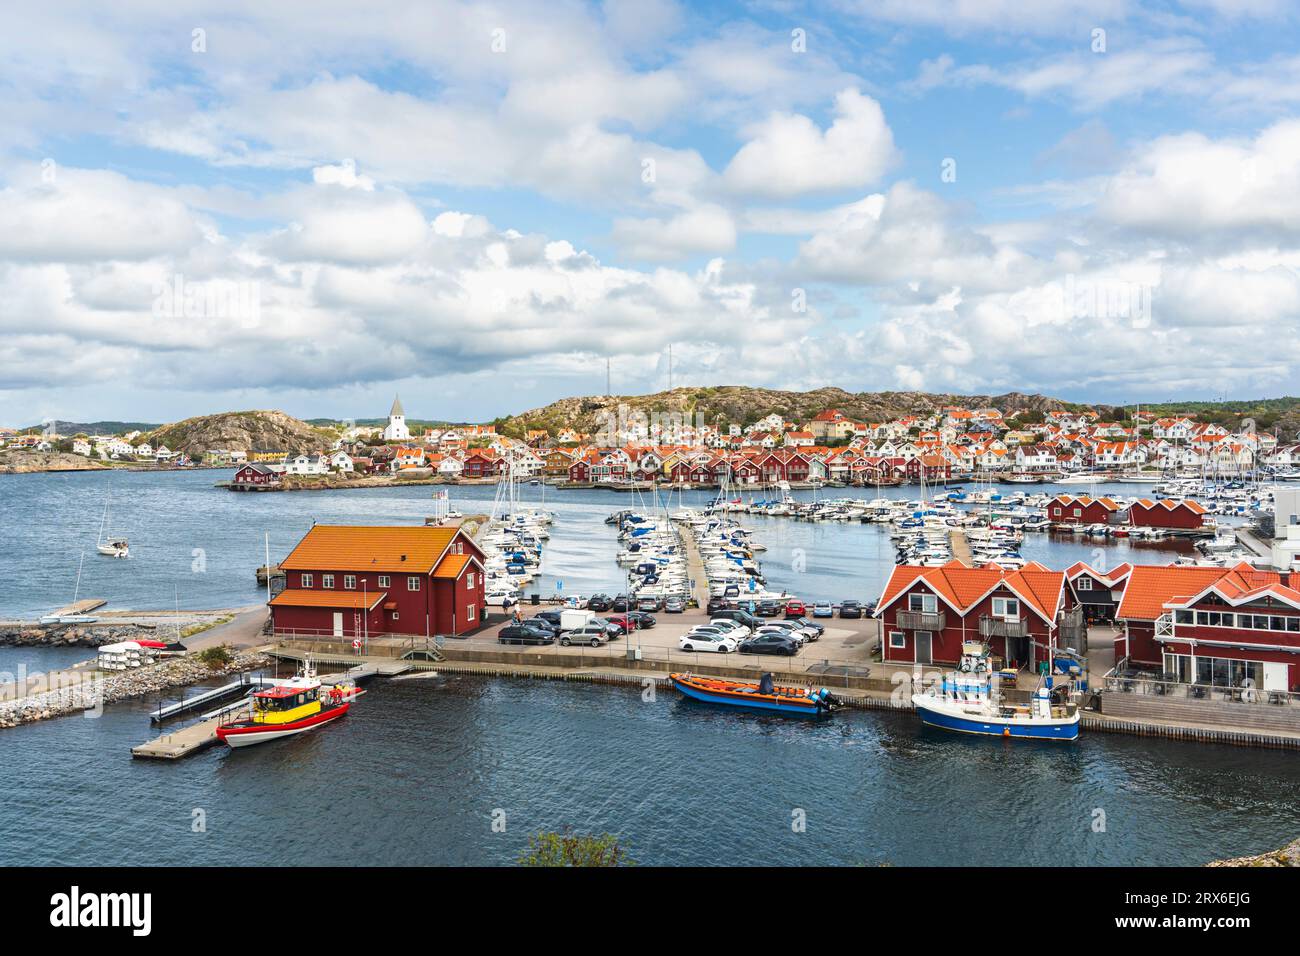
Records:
x=570, y=849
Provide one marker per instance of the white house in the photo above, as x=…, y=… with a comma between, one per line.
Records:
x=341, y=461
x=305, y=465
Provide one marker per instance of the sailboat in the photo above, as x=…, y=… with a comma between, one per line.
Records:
x=112, y=546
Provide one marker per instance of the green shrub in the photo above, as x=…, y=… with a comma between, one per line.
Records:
x=569, y=849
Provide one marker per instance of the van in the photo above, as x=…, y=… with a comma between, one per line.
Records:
x=571, y=620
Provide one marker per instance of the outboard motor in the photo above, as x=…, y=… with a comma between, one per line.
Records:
x=766, y=684
x=828, y=700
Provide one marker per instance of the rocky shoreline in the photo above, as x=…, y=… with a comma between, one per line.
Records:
x=78, y=635
x=1289, y=855
x=88, y=690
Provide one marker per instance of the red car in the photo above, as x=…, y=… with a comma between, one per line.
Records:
x=795, y=609
x=626, y=624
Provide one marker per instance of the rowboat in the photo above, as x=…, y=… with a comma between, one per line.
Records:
x=763, y=695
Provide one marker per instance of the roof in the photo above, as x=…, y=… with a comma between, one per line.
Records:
x=452, y=565
x=407, y=548
x=354, y=600
x=1152, y=588
x=1113, y=576
x=962, y=587
x=1193, y=506
x=397, y=407
x=1086, y=501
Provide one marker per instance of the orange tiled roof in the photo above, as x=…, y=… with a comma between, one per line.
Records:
x=963, y=586
x=1194, y=506
x=414, y=548
x=1151, y=587
x=452, y=565
x=1113, y=576
x=300, y=597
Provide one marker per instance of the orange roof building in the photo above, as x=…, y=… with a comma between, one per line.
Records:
x=351, y=583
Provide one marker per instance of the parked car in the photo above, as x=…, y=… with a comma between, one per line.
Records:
x=850, y=609
x=624, y=622
x=733, y=627
x=823, y=609
x=593, y=634
x=699, y=641
x=719, y=604
x=737, y=615
x=799, y=639
x=550, y=617
x=642, y=619
x=542, y=623
x=674, y=605
x=524, y=634
x=599, y=602
x=768, y=608
x=650, y=605
x=814, y=629
x=793, y=627
x=795, y=608
x=620, y=604
x=769, y=644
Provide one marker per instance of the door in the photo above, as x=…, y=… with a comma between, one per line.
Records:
x=1275, y=676
x=924, y=640
x=338, y=623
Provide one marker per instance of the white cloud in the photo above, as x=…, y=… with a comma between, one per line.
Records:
x=345, y=175
x=788, y=155
x=707, y=229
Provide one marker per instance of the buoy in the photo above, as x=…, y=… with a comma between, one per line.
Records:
x=1006, y=731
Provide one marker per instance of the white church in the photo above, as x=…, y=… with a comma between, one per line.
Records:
x=397, y=430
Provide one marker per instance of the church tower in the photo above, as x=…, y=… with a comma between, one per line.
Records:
x=397, y=430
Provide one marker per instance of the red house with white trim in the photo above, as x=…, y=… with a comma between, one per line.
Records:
x=1067, y=509
x=362, y=580
x=1214, y=626
x=927, y=613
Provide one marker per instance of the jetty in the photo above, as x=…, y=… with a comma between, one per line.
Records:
x=960, y=546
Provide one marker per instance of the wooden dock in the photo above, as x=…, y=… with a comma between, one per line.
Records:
x=960, y=545
x=180, y=743
x=84, y=606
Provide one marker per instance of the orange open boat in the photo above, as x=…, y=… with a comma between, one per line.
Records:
x=763, y=695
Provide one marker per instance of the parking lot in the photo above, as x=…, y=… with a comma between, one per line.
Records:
x=845, y=641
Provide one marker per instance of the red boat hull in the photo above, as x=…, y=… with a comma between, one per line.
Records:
x=237, y=735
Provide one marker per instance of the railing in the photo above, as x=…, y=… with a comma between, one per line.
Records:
x=997, y=627
x=1126, y=680
x=921, y=620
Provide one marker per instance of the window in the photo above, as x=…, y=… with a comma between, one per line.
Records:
x=307, y=581
x=412, y=583
x=469, y=580
x=327, y=580
x=926, y=603
x=897, y=639
x=1008, y=608
x=1183, y=616
x=1078, y=512
x=469, y=613
x=394, y=615
x=349, y=582
x=385, y=581
x=1083, y=584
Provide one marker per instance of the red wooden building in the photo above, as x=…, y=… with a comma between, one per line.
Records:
x=927, y=613
x=256, y=474
x=479, y=465
x=356, y=581
x=1167, y=513
x=1067, y=509
x=1213, y=626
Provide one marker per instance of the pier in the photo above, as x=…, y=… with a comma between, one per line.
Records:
x=695, y=568
x=960, y=546
x=84, y=606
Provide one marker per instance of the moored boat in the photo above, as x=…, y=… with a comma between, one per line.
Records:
x=763, y=695
x=968, y=701
x=288, y=708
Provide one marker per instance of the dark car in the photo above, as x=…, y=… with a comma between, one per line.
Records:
x=719, y=604
x=769, y=643
x=543, y=624
x=550, y=617
x=620, y=604
x=599, y=602
x=650, y=605
x=642, y=619
x=768, y=608
x=850, y=609
x=674, y=605
x=524, y=634
x=739, y=616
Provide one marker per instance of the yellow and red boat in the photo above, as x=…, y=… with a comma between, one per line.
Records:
x=288, y=708
x=764, y=695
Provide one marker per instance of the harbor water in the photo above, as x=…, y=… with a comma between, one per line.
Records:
x=421, y=770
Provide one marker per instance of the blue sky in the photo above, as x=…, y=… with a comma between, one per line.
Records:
x=477, y=205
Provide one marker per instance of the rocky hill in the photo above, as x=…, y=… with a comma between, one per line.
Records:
x=14, y=462
x=246, y=431
x=742, y=405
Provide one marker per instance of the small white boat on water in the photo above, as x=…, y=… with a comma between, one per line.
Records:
x=111, y=546
x=968, y=701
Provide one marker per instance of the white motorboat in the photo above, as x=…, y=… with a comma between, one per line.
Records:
x=111, y=546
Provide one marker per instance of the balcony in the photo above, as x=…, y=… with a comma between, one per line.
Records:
x=921, y=620
x=997, y=627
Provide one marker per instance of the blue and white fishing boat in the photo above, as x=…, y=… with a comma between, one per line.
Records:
x=968, y=701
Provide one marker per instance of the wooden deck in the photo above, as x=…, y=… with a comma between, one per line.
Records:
x=180, y=743
x=960, y=545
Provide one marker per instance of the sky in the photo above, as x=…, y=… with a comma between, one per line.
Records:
x=316, y=206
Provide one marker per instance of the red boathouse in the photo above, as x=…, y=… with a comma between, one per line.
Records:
x=354, y=581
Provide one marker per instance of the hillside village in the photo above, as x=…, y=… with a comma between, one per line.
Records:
x=831, y=448
x=952, y=442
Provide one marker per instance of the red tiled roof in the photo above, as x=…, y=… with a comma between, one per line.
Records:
x=962, y=586
x=328, y=598
x=1151, y=588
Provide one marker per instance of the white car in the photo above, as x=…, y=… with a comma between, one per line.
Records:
x=799, y=637
x=700, y=640
x=730, y=628
x=804, y=634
